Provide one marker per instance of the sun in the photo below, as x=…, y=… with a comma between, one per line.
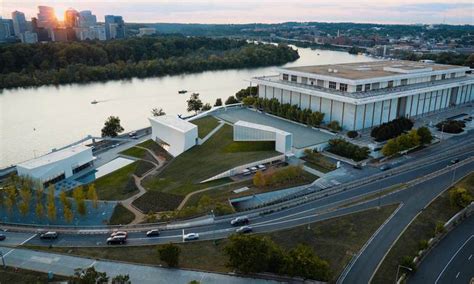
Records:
x=59, y=14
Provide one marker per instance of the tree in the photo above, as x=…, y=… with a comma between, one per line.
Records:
x=39, y=210
x=259, y=179
x=194, y=103
x=25, y=195
x=425, y=135
x=121, y=279
x=78, y=195
x=169, y=253
x=460, y=197
x=150, y=217
x=157, y=112
x=248, y=101
x=218, y=102
x=51, y=205
x=206, y=107
x=90, y=276
x=92, y=195
x=334, y=125
x=391, y=148
x=10, y=199
x=352, y=134
x=243, y=93
x=231, y=100
x=303, y=262
x=112, y=127
x=68, y=215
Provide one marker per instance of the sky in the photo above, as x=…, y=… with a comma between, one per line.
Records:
x=262, y=11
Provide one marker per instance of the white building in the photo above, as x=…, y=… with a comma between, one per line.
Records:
x=57, y=165
x=146, y=31
x=29, y=37
x=173, y=133
x=247, y=131
x=363, y=95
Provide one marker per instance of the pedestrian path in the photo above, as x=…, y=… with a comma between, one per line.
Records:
x=65, y=265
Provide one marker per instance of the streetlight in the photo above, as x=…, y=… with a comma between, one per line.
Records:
x=3, y=260
x=398, y=270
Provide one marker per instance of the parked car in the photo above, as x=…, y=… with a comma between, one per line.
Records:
x=116, y=240
x=153, y=233
x=385, y=167
x=246, y=172
x=49, y=236
x=2, y=237
x=454, y=161
x=244, y=230
x=239, y=221
x=261, y=167
x=119, y=233
x=191, y=237
x=253, y=169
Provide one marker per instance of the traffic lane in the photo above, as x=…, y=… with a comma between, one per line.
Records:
x=460, y=268
x=439, y=256
x=15, y=239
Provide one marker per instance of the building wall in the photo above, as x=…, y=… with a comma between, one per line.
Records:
x=178, y=141
x=283, y=141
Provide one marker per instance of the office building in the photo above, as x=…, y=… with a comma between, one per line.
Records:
x=46, y=18
x=114, y=27
x=19, y=23
x=71, y=18
x=86, y=19
x=57, y=165
x=29, y=37
x=60, y=34
x=90, y=33
x=42, y=33
x=364, y=95
x=146, y=31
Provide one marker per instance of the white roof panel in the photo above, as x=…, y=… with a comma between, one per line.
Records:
x=174, y=122
x=54, y=156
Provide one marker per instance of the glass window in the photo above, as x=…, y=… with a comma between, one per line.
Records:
x=343, y=87
x=367, y=87
x=375, y=86
x=311, y=81
x=453, y=75
x=443, y=76
x=359, y=88
x=321, y=83
x=332, y=85
x=285, y=77
x=293, y=78
x=433, y=77
x=404, y=82
x=390, y=84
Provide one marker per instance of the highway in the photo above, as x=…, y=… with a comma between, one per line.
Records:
x=452, y=260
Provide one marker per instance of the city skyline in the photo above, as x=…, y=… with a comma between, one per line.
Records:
x=245, y=11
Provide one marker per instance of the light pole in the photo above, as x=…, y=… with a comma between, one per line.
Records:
x=309, y=215
x=454, y=175
x=398, y=270
x=3, y=260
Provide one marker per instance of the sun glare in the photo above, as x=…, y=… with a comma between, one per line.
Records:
x=59, y=14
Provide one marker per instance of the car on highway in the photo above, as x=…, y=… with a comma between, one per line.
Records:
x=244, y=230
x=2, y=237
x=261, y=167
x=153, y=233
x=117, y=240
x=191, y=237
x=357, y=166
x=133, y=135
x=119, y=233
x=49, y=236
x=115, y=145
x=385, y=167
x=246, y=172
x=454, y=161
x=239, y=221
x=253, y=169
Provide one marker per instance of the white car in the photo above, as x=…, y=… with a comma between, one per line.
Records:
x=253, y=169
x=246, y=172
x=261, y=167
x=191, y=237
x=119, y=233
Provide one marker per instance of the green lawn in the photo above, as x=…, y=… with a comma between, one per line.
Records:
x=156, y=148
x=334, y=240
x=135, y=152
x=15, y=275
x=243, y=146
x=202, y=162
x=121, y=216
x=117, y=185
x=319, y=162
x=205, y=125
x=421, y=229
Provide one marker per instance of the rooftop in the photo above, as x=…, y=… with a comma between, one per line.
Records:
x=54, y=156
x=260, y=127
x=174, y=122
x=373, y=69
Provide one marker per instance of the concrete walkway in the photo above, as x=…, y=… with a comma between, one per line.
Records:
x=65, y=265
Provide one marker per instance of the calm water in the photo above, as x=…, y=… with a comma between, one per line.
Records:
x=33, y=121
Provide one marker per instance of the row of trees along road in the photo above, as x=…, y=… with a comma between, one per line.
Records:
x=406, y=141
x=25, y=192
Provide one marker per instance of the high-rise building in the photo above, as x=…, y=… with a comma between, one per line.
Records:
x=87, y=19
x=71, y=18
x=114, y=27
x=29, y=37
x=42, y=33
x=19, y=23
x=46, y=18
x=6, y=30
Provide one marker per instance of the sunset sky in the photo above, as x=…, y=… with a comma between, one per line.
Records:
x=262, y=11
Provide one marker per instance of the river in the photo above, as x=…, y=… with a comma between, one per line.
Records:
x=36, y=120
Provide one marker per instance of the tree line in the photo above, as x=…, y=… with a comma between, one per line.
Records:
x=407, y=141
x=57, y=63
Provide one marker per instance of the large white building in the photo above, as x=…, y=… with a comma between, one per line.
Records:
x=247, y=131
x=57, y=165
x=363, y=95
x=173, y=133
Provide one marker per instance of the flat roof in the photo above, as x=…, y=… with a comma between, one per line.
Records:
x=372, y=69
x=174, y=122
x=260, y=127
x=54, y=156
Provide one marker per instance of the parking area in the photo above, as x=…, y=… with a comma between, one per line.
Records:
x=302, y=136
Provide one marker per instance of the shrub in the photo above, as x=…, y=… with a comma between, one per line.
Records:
x=169, y=253
x=218, y=102
x=231, y=100
x=451, y=126
x=425, y=135
x=206, y=107
x=460, y=197
x=249, y=91
x=248, y=101
x=352, y=134
x=334, y=125
x=391, y=129
x=343, y=148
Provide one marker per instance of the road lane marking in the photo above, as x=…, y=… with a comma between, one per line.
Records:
x=469, y=258
x=457, y=275
x=22, y=243
x=449, y=262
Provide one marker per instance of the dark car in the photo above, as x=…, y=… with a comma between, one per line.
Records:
x=117, y=240
x=357, y=166
x=153, y=233
x=244, y=230
x=454, y=161
x=385, y=167
x=2, y=237
x=49, y=236
x=239, y=221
